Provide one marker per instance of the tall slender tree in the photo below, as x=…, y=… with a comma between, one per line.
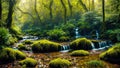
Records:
x=103, y=28
x=65, y=10
x=83, y=5
x=0, y=10
x=10, y=13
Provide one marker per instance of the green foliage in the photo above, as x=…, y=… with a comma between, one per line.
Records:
x=79, y=53
x=9, y=55
x=28, y=62
x=22, y=47
x=27, y=42
x=113, y=35
x=55, y=34
x=4, y=36
x=112, y=54
x=59, y=63
x=64, y=38
x=81, y=43
x=95, y=64
x=45, y=46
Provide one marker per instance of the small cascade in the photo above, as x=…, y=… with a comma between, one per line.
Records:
x=93, y=46
x=77, y=33
x=100, y=45
x=65, y=48
x=97, y=35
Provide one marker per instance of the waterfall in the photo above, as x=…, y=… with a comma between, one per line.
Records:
x=65, y=48
x=93, y=46
x=77, y=33
x=97, y=35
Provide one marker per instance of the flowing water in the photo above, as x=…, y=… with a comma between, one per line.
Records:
x=43, y=59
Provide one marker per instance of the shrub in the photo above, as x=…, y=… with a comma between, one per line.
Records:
x=28, y=62
x=55, y=34
x=112, y=54
x=20, y=55
x=95, y=64
x=79, y=53
x=27, y=42
x=9, y=55
x=59, y=63
x=64, y=38
x=81, y=43
x=4, y=36
x=45, y=46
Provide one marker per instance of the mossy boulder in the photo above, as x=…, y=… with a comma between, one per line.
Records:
x=81, y=43
x=45, y=46
x=22, y=47
x=28, y=62
x=10, y=55
x=112, y=54
x=19, y=55
x=59, y=63
x=95, y=64
x=27, y=42
x=79, y=53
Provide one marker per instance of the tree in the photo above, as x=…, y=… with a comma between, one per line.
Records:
x=103, y=27
x=0, y=10
x=83, y=5
x=10, y=13
x=65, y=11
x=70, y=7
x=37, y=14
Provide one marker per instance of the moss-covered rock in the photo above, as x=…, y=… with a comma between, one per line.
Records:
x=95, y=64
x=79, y=53
x=112, y=54
x=28, y=62
x=10, y=55
x=81, y=43
x=7, y=55
x=22, y=47
x=59, y=63
x=19, y=55
x=27, y=42
x=45, y=46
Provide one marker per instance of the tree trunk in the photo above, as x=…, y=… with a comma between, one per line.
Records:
x=0, y=10
x=10, y=13
x=70, y=7
x=50, y=8
x=93, y=5
x=83, y=5
x=65, y=11
x=103, y=28
x=37, y=14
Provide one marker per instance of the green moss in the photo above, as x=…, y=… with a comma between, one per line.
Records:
x=28, y=62
x=112, y=54
x=81, y=43
x=22, y=47
x=10, y=55
x=20, y=55
x=59, y=63
x=7, y=55
x=27, y=42
x=95, y=64
x=79, y=53
x=45, y=46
